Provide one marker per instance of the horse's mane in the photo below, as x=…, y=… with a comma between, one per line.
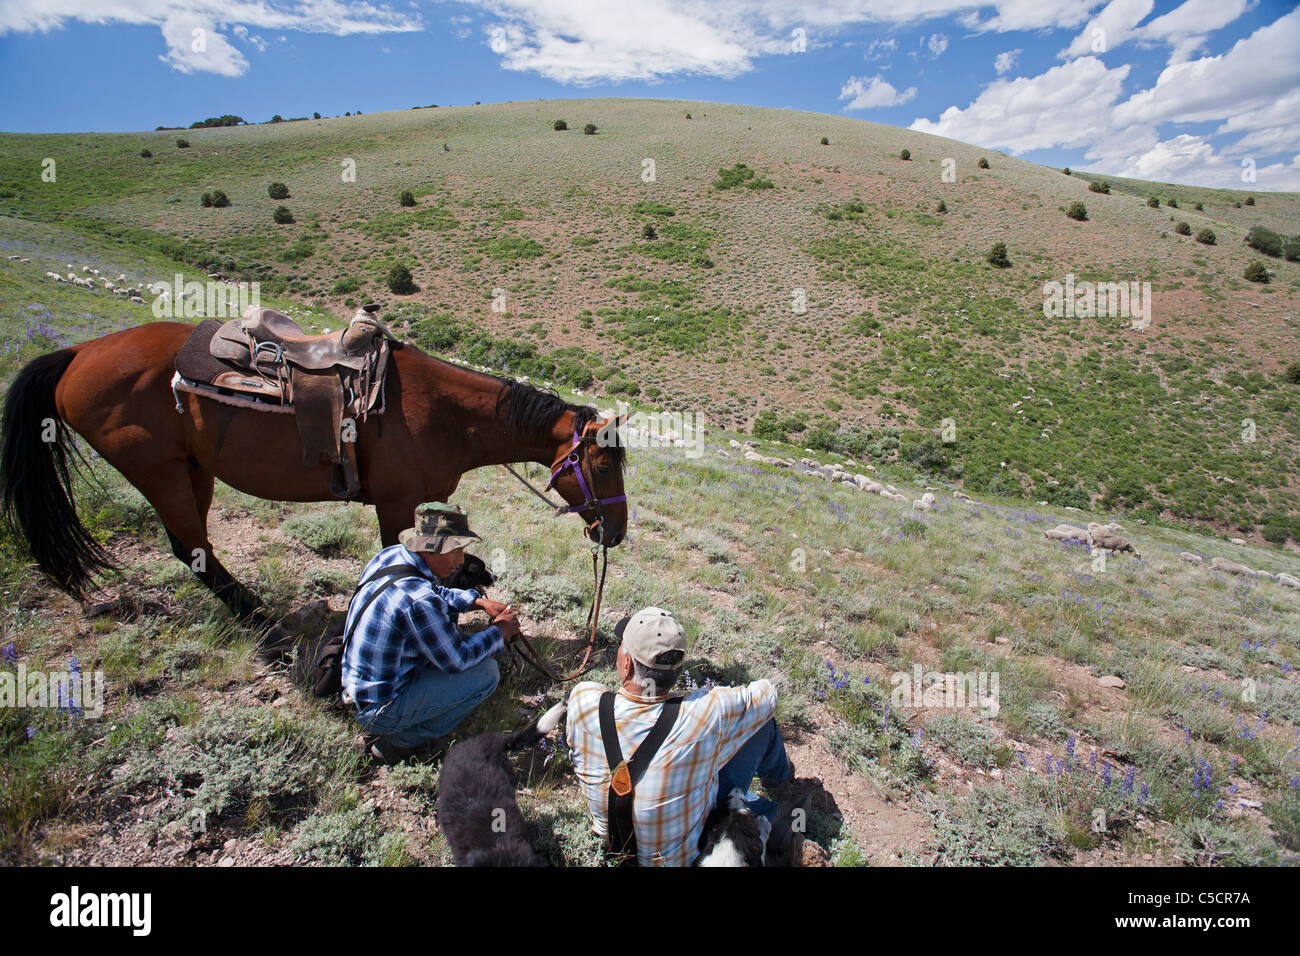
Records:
x=530, y=413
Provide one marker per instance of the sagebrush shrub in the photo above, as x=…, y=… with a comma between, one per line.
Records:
x=1183, y=229
x=905, y=154
x=1256, y=272
x=1077, y=211
x=282, y=215
x=998, y=255
x=1206, y=237
x=1099, y=186
x=1265, y=240
x=278, y=191
x=400, y=281
x=407, y=198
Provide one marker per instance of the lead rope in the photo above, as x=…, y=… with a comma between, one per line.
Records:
x=524, y=648
x=558, y=509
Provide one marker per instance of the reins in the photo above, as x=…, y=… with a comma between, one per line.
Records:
x=521, y=643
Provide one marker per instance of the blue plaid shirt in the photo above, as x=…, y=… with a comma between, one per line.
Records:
x=409, y=626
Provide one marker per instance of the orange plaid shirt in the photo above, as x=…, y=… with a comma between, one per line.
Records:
x=680, y=786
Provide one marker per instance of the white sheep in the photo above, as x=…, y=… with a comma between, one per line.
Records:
x=1105, y=536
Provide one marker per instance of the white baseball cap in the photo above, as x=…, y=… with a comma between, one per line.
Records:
x=650, y=632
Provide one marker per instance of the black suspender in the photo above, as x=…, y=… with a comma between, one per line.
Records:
x=625, y=775
x=393, y=572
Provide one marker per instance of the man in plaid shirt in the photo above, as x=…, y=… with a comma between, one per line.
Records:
x=408, y=670
x=723, y=737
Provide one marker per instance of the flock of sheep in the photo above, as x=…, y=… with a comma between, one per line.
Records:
x=1105, y=537
x=91, y=278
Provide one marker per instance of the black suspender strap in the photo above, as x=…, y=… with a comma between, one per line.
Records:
x=625, y=775
x=393, y=572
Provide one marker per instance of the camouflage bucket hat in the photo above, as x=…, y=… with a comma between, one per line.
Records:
x=439, y=527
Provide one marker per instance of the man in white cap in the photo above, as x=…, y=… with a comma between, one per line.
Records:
x=651, y=763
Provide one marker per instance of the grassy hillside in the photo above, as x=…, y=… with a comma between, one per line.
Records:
x=902, y=322
x=204, y=754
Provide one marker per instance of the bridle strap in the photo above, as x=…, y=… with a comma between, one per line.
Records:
x=575, y=461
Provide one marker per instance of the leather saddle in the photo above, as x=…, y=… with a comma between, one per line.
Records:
x=330, y=382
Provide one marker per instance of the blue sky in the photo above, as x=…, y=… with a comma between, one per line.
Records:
x=1179, y=90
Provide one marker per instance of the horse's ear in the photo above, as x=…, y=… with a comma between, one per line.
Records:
x=607, y=435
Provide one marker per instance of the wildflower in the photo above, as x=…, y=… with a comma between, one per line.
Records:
x=1143, y=792
x=1069, y=747
x=1126, y=785
x=10, y=653
x=1105, y=776
x=74, y=665
x=916, y=739
x=1092, y=760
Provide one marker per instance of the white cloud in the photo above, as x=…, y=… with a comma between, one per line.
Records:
x=1006, y=62
x=210, y=51
x=582, y=41
x=1069, y=105
x=1257, y=71
x=1109, y=28
x=573, y=42
x=873, y=92
x=880, y=49
x=1185, y=27
x=194, y=46
x=1190, y=159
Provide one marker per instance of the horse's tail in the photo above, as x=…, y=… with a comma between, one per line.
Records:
x=36, y=478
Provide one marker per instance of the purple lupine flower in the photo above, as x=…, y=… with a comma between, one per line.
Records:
x=10, y=653
x=31, y=732
x=1143, y=792
x=1069, y=747
x=74, y=665
x=916, y=739
x=1105, y=776
x=1092, y=759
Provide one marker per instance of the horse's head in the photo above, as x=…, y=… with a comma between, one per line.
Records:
x=588, y=474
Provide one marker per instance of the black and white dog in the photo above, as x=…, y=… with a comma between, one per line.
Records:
x=477, y=809
x=733, y=836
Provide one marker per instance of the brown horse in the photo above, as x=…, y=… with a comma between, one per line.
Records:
x=440, y=421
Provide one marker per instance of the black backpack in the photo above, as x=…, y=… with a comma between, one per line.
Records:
x=325, y=672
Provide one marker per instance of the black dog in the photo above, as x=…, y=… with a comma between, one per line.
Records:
x=473, y=575
x=733, y=836
x=477, y=809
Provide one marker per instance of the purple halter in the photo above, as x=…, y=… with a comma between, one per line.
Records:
x=574, y=460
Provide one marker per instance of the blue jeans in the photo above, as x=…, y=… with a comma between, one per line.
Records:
x=763, y=756
x=431, y=705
